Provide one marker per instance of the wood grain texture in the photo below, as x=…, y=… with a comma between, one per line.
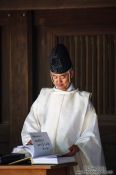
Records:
x=53, y=4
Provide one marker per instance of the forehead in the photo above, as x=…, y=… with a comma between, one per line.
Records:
x=55, y=74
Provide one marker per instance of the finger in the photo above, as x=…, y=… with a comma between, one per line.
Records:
x=71, y=153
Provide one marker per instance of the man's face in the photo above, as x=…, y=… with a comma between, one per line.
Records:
x=61, y=81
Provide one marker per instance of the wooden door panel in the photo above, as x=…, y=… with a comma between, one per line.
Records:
x=15, y=87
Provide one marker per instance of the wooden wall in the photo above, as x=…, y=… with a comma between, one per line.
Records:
x=14, y=73
x=26, y=38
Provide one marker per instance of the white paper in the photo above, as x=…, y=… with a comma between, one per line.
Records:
x=53, y=159
x=28, y=150
x=42, y=144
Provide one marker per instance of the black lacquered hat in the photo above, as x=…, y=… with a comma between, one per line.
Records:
x=60, y=60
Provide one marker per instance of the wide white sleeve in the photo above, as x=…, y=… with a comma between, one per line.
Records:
x=91, y=153
x=31, y=123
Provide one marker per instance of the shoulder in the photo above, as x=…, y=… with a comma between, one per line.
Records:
x=88, y=95
x=84, y=94
x=44, y=94
x=45, y=91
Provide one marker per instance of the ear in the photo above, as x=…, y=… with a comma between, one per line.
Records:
x=71, y=73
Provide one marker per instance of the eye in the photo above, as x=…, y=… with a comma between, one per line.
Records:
x=54, y=77
x=63, y=76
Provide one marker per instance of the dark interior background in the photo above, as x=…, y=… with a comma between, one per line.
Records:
x=28, y=31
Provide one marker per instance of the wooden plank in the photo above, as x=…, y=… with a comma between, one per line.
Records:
x=88, y=17
x=62, y=169
x=53, y=4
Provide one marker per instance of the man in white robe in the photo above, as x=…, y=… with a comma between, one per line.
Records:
x=67, y=115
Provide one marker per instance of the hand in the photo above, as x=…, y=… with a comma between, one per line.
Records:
x=72, y=150
x=30, y=142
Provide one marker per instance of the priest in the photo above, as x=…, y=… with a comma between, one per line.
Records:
x=67, y=115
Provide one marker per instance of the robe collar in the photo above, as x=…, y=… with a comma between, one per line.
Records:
x=70, y=88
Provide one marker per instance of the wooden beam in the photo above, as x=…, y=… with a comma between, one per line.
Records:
x=53, y=4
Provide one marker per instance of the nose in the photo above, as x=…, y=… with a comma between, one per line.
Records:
x=59, y=80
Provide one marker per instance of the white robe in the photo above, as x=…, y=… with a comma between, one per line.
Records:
x=68, y=118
